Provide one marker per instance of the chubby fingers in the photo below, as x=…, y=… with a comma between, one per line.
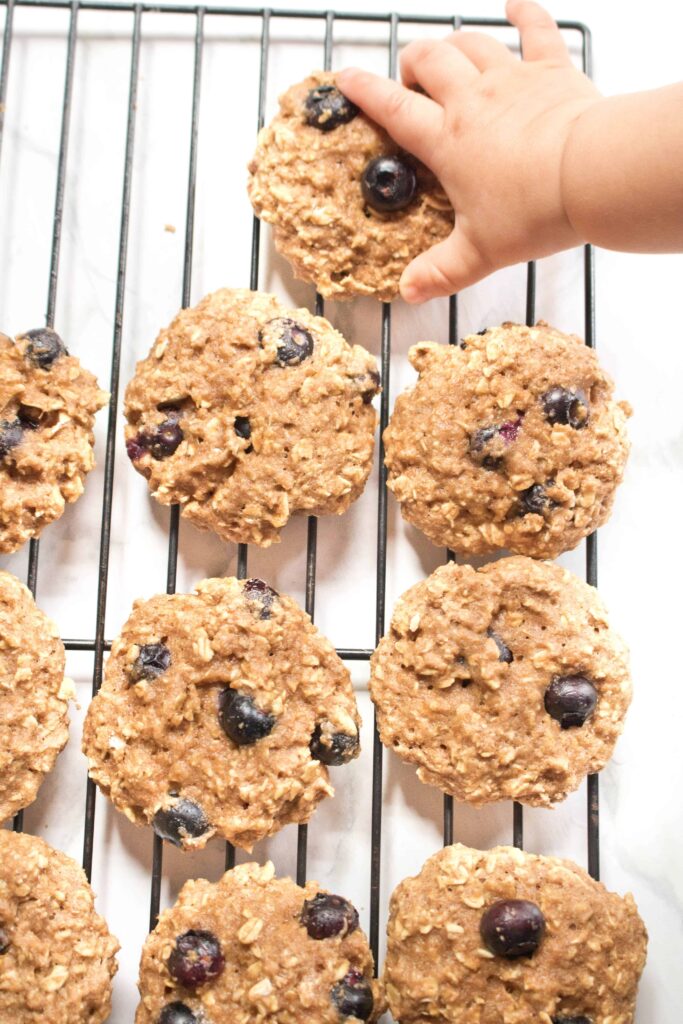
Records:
x=541, y=38
x=444, y=269
x=439, y=69
x=413, y=121
x=483, y=51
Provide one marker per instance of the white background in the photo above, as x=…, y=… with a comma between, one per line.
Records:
x=639, y=337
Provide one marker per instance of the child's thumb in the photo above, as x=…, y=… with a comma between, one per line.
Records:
x=444, y=269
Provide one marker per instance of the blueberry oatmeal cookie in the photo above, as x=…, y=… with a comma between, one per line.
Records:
x=486, y=937
x=349, y=209
x=510, y=440
x=220, y=713
x=501, y=683
x=246, y=412
x=34, y=720
x=47, y=411
x=252, y=947
x=57, y=958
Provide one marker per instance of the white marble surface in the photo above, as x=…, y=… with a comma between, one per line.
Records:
x=639, y=337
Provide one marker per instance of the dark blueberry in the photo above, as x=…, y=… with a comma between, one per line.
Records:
x=481, y=438
x=165, y=438
x=11, y=436
x=504, y=652
x=566, y=405
x=135, y=449
x=161, y=441
x=353, y=996
x=483, y=444
x=4, y=941
x=326, y=108
x=512, y=928
x=151, y=662
x=339, y=748
x=572, y=1020
x=326, y=916
x=44, y=347
x=241, y=719
x=388, y=184
x=294, y=343
x=570, y=700
x=535, y=500
x=177, y=1013
x=196, y=959
x=31, y=417
x=242, y=427
x=373, y=388
x=181, y=820
x=257, y=590
x=489, y=444
x=484, y=330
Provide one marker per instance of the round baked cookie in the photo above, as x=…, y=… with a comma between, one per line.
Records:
x=34, y=720
x=501, y=683
x=510, y=440
x=47, y=411
x=252, y=947
x=220, y=712
x=349, y=208
x=57, y=957
x=486, y=937
x=246, y=412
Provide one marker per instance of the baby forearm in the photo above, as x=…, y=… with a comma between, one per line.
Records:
x=622, y=172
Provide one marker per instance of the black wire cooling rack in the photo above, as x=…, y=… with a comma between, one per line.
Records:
x=98, y=644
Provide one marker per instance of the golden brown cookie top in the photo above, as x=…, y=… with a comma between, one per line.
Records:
x=344, y=221
x=253, y=947
x=246, y=412
x=47, y=408
x=510, y=440
x=504, y=935
x=220, y=713
x=35, y=696
x=505, y=682
x=57, y=956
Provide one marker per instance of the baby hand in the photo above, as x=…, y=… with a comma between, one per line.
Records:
x=493, y=129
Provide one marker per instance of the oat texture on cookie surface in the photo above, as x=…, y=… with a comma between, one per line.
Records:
x=252, y=947
x=501, y=935
x=349, y=209
x=48, y=403
x=57, y=957
x=246, y=413
x=221, y=713
x=502, y=683
x=34, y=720
x=510, y=440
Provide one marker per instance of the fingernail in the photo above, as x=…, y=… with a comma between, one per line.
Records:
x=410, y=292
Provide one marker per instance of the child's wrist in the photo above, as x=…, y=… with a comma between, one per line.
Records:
x=574, y=183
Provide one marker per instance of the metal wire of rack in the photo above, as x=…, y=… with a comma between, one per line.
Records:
x=98, y=645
